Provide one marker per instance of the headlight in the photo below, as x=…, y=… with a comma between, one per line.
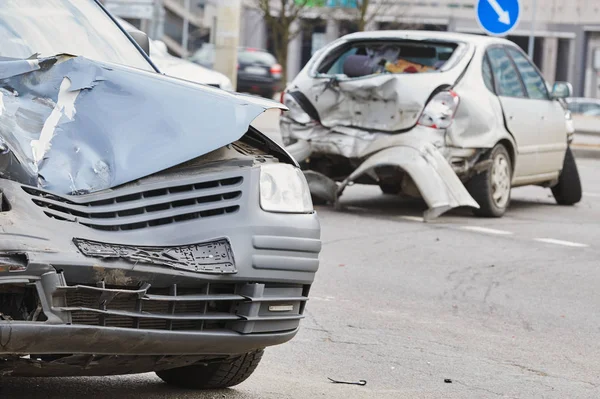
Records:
x=283, y=188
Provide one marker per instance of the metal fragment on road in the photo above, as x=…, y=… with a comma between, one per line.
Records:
x=360, y=382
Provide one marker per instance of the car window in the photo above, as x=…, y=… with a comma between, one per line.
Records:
x=488, y=77
x=534, y=83
x=397, y=57
x=592, y=111
x=588, y=108
x=508, y=82
x=51, y=27
x=205, y=55
x=256, y=57
x=573, y=106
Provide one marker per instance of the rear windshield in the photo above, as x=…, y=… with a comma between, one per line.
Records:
x=398, y=57
x=256, y=57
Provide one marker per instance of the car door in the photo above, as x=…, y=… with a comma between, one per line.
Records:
x=522, y=117
x=552, y=129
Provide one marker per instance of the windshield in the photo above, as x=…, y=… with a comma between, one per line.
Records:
x=256, y=57
x=76, y=27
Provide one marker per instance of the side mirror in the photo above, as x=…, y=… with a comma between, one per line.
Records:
x=141, y=39
x=562, y=90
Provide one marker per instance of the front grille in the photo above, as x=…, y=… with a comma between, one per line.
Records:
x=143, y=206
x=244, y=308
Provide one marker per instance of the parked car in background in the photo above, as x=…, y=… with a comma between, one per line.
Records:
x=586, y=114
x=258, y=70
x=180, y=68
x=455, y=119
x=146, y=226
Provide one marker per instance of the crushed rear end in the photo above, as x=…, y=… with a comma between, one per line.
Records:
x=379, y=111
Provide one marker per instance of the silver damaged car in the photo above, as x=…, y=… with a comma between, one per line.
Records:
x=455, y=119
x=146, y=226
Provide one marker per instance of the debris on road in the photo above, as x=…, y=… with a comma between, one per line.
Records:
x=448, y=381
x=360, y=382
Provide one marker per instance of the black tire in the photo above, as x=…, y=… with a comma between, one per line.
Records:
x=216, y=375
x=481, y=186
x=568, y=190
x=390, y=189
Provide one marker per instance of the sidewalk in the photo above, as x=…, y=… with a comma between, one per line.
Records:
x=586, y=145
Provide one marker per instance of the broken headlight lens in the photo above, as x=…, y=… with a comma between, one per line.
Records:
x=283, y=188
x=295, y=110
x=439, y=112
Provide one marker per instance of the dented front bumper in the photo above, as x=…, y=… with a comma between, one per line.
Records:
x=150, y=302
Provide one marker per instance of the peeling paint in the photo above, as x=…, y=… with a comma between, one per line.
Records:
x=65, y=107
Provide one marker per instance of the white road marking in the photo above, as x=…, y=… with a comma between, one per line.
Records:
x=591, y=195
x=413, y=218
x=486, y=230
x=561, y=242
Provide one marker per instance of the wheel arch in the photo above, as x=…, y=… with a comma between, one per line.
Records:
x=512, y=153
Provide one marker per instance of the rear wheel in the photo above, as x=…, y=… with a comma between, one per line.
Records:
x=568, y=190
x=217, y=375
x=391, y=189
x=491, y=188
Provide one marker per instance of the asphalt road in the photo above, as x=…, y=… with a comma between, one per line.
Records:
x=502, y=308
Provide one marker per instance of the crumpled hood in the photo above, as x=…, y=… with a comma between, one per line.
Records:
x=72, y=125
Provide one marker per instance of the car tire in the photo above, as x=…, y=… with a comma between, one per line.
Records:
x=491, y=188
x=214, y=375
x=390, y=189
x=568, y=190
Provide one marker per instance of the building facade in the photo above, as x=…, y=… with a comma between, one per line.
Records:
x=567, y=32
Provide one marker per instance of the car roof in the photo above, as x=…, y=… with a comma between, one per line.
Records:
x=426, y=35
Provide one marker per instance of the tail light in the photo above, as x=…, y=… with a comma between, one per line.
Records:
x=276, y=70
x=296, y=112
x=439, y=112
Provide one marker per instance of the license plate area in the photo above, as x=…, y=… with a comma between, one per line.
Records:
x=209, y=257
x=255, y=70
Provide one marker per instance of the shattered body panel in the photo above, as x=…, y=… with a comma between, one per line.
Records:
x=345, y=128
x=84, y=154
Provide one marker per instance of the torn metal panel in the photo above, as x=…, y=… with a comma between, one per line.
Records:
x=439, y=186
x=84, y=126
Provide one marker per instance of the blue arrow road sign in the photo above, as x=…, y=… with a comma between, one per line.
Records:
x=498, y=17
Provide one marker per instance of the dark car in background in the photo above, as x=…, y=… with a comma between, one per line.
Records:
x=258, y=70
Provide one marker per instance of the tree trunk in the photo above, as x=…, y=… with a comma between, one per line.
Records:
x=281, y=51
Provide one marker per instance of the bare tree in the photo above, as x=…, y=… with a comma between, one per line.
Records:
x=280, y=18
x=363, y=12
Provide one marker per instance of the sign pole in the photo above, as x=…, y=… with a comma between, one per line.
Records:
x=531, y=49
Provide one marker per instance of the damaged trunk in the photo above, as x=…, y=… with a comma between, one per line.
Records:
x=359, y=114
